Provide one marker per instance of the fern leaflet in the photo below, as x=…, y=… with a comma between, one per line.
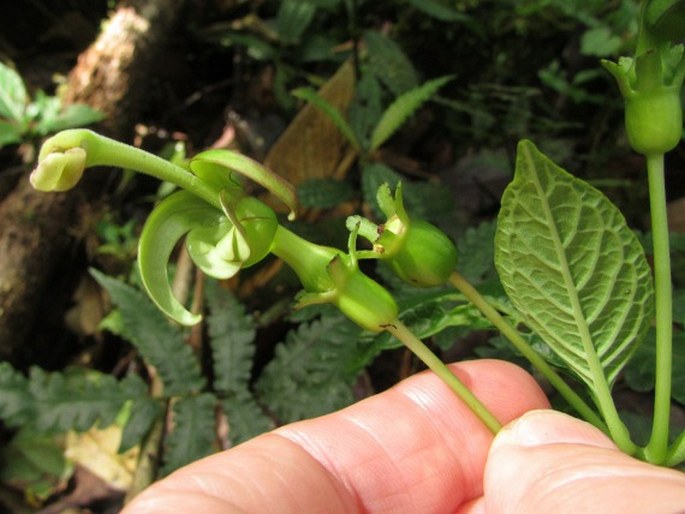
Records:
x=232, y=334
x=193, y=433
x=159, y=342
x=402, y=108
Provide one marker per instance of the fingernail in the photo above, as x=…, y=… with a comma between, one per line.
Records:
x=542, y=427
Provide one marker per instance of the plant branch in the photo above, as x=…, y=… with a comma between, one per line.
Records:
x=657, y=447
x=401, y=332
x=513, y=335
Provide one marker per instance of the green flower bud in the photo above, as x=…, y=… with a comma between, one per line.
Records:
x=650, y=82
x=424, y=257
x=418, y=252
x=59, y=171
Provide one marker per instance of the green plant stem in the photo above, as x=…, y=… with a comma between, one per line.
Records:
x=401, y=332
x=103, y=151
x=470, y=292
x=658, y=443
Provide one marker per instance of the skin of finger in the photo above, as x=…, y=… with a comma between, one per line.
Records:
x=413, y=448
x=550, y=462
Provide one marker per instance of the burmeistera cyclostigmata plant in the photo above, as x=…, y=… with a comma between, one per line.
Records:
x=226, y=230
x=566, y=258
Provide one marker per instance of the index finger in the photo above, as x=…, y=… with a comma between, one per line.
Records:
x=413, y=448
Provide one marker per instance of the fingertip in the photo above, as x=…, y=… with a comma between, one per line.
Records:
x=544, y=427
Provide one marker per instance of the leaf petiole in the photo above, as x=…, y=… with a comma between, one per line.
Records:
x=513, y=335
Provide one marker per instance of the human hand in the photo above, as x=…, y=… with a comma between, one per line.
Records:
x=417, y=449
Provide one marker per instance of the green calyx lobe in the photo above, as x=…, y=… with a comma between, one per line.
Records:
x=360, y=298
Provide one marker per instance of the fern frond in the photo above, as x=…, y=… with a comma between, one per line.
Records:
x=313, y=372
x=144, y=411
x=246, y=419
x=323, y=193
x=402, y=108
x=293, y=18
x=389, y=63
x=193, y=433
x=158, y=341
x=309, y=95
x=232, y=334
x=79, y=399
x=16, y=407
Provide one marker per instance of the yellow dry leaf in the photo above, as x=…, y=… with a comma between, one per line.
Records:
x=96, y=450
x=312, y=146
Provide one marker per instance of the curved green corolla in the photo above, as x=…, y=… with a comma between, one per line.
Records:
x=170, y=221
x=211, y=167
x=221, y=243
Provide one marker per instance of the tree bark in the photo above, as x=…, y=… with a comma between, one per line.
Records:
x=37, y=245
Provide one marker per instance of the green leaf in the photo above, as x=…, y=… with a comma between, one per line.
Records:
x=36, y=465
x=333, y=113
x=313, y=372
x=366, y=107
x=666, y=18
x=477, y=252
x=389, y=63
x=640, y=371
x=144, y=412
x=439, y=11
x=429, y=313
x=73, y=116
x=232, y=334
x=293, y=18
x=160, y=343
x=572, y=267
x=16, y=406
x=13, y=95
x=246, y=419
x=323, y=193
x=193, y=433
x=374, y=175
x=79, y=399
x=402, y=108
x=9, y=133
x=600, y=41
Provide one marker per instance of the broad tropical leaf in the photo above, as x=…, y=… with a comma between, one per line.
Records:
x=572, y=267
